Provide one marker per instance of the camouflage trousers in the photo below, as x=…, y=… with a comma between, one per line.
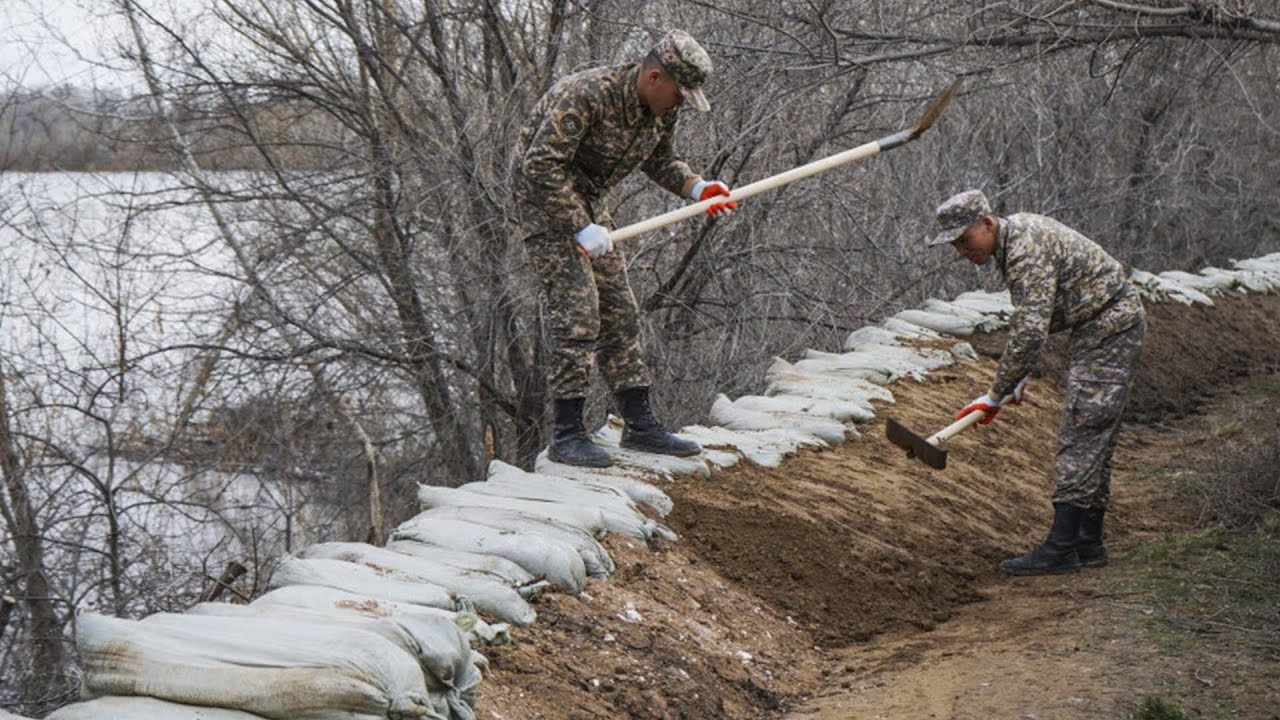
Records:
x=1098, y=383
x=591, y=314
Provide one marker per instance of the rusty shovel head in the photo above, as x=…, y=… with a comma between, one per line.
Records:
x=916, y=446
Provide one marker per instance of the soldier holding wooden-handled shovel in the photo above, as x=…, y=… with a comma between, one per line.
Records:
x=1058, y=280
x=586, y=134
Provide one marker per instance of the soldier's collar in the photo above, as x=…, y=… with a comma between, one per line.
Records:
x=632, y=108
x=1002, y=241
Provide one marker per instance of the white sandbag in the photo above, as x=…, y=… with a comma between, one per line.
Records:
x=891, y=360
x=555, y=560
x=1248, y=280
x=1207, y=284
x=1266, y=264
x=609, y=438
x=871, y=335
x=273, y=668
x=759, y=448
x=589, y=519
x=341, y=602
x=1162, y=289
x=784, y=379
x=937, y=322
x=594, y=557
x=621, y=515
x=987, y=303
x=638, y=490
x=513, y=574
x=544, y=466
x=360, y=579
x=837, y=410
x=139, y=708
x=435, y=643
x=726, y=414
x=10, y=716
x=851, y=371
x=902, y=327
x=488, y=592
x=964, y=351
x=982, y=322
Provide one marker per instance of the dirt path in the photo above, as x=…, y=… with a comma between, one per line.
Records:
x=854, y=583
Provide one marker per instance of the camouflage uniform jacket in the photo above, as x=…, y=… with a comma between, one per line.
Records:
x=1058, y=279
x=584, y=137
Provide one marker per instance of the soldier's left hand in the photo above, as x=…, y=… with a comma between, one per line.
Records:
x=1019, y=391
x=986, y=404
x=705, y=190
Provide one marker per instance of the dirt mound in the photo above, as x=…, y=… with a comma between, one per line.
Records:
x=840, y=545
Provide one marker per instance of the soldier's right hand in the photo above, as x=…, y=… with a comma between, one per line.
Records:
x=594, y=240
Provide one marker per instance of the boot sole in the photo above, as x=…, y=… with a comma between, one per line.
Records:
x=1028, y=572
x=651, y=451
x=599, y=466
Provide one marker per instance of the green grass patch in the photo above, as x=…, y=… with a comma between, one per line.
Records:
x=1268, y=385
x=1156, y=708
x=1213, y=583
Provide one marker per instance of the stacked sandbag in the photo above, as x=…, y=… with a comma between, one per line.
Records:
x=982, y=321
x=589, y=519
x=273, y=668
x=4, y=715
x=139, y=708
x=824, y=381
x=890, y=360
x=449, y=667
x=728, y=415
x=595, y=558
x=488, y=592
x=838, y=410
x=360, y=579
x=766, y=448
x=1161, y=289
x=340, y=603
x=621, y=514
x=510, y=573
x=991, y=304
x=542, y=556
x=636, y=488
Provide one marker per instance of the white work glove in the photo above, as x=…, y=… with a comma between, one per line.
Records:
x=986, y=404
x=705, y=190
x=594, y=240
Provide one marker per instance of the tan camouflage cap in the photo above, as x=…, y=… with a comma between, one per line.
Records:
x=957, y=213
x=687, y=63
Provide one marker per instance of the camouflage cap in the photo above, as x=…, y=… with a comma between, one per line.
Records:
x=957, y=213
x=687, y=63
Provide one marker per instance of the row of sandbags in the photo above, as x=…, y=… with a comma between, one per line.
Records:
x=484, y=549
x=1261, y=274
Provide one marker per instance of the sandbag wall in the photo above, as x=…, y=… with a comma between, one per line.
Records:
x=366, y=632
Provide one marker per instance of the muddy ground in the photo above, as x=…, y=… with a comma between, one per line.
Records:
x=852, y=582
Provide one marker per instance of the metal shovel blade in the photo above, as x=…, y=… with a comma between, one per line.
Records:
x=916, y=446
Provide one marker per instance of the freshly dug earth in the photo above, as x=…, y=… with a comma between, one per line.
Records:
x=782, y=576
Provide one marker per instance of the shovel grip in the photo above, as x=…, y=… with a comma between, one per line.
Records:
x=964, y=422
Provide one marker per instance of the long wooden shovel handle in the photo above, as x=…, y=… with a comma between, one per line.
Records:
x=964, y=422
x=887, y=142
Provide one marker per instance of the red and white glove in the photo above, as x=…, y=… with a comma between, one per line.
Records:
x=986, y=404
x=1019, y=391
x=594, y=240
x=705, y=190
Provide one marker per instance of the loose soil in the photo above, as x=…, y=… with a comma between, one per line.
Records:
x=855, y=583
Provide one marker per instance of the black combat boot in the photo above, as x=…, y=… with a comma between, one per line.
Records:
x=569, y=442
x=1089, y=542
x=643, y=432
x=1058, y=553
